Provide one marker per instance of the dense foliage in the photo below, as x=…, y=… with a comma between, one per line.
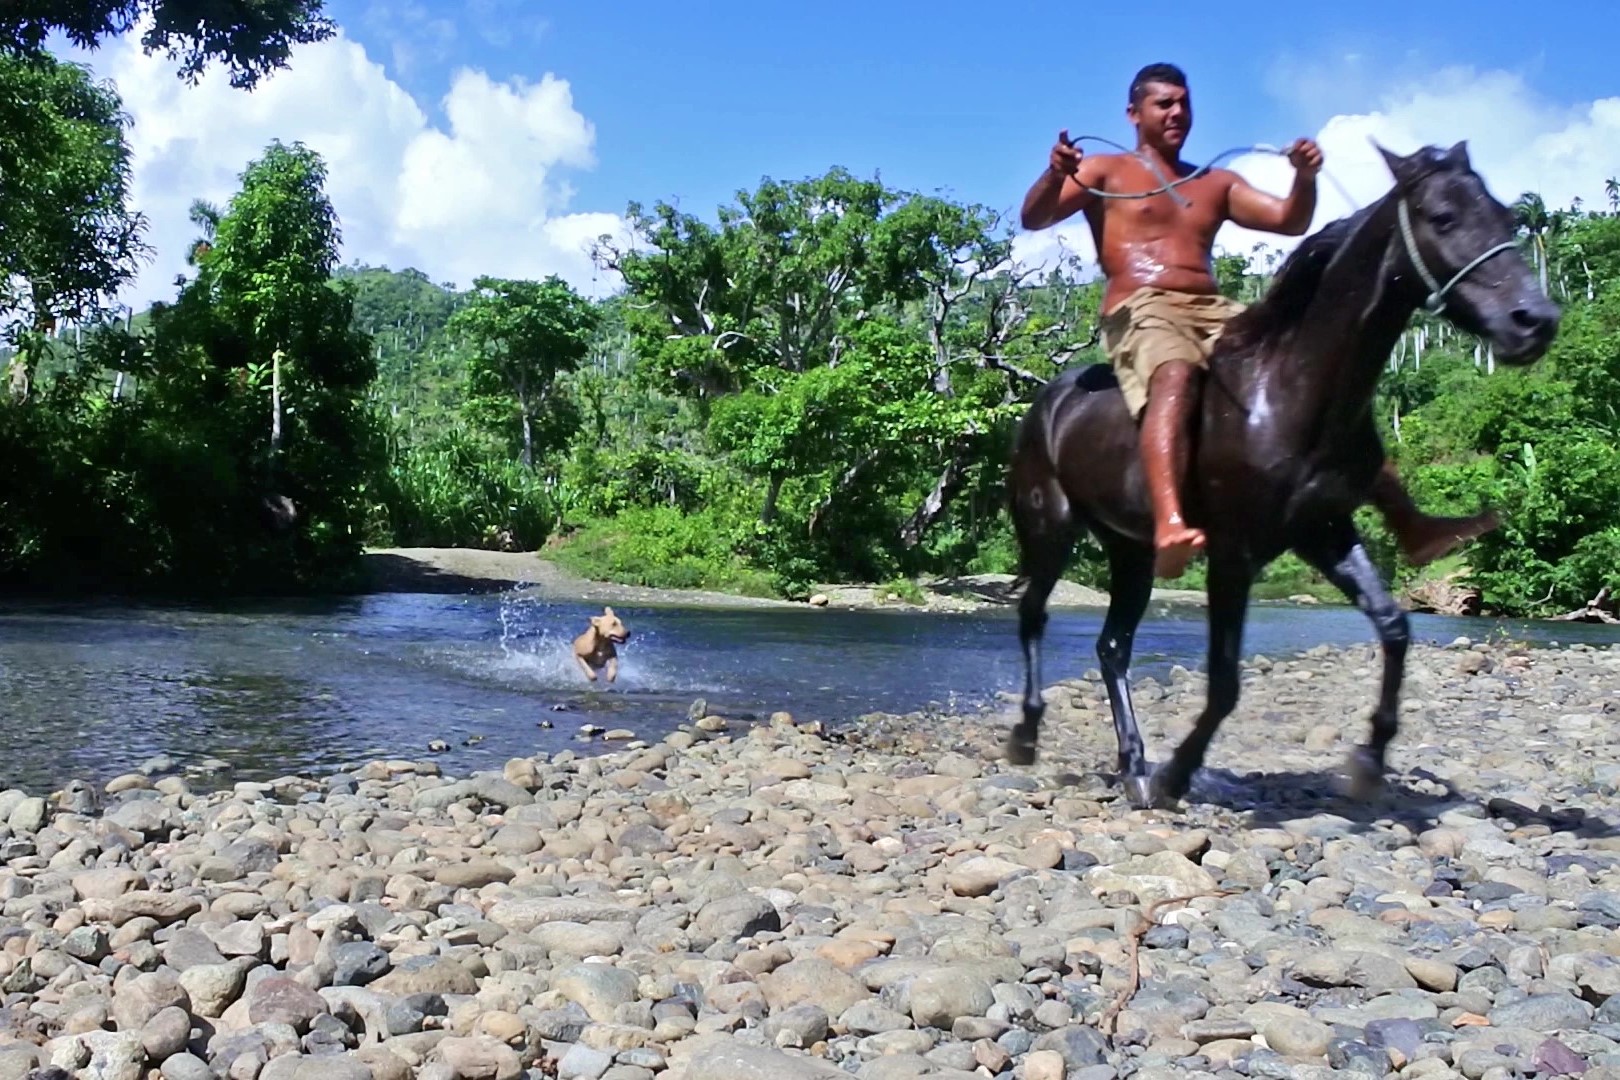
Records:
x=1542, y=445
x=816, y=384
x=166, y=457
x=251, y=38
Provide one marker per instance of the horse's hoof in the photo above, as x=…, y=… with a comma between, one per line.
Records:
x=1140, y=792
x=1167, y=788
x=1020, y=749
x=1364, y=780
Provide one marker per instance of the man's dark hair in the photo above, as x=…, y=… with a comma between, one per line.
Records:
x=1168, y=74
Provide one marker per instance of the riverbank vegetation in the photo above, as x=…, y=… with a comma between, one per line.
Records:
x=815, y=383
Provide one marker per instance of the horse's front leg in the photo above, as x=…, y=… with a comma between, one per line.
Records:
x=1338, y=553
x=1229, y=579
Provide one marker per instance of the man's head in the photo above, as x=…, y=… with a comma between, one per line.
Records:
x=1160, y=106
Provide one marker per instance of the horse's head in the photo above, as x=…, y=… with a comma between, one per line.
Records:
x=1458, y=241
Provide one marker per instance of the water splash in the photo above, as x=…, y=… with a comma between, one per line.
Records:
x=536, y=650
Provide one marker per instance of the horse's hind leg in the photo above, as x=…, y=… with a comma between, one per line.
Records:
x=1229, y=582
x=1045, y=533
x=1338, y=553
x=1130, y=585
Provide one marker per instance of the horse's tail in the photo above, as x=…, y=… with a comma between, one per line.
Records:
x=1040, y=510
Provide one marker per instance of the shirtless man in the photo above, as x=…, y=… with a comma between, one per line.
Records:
x=1162, y=310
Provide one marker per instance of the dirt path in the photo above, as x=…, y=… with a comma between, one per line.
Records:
x=468, y=570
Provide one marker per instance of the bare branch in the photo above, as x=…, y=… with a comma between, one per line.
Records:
x=998, y=363
x=950, y=482
x=842, y=485
x=703, y=316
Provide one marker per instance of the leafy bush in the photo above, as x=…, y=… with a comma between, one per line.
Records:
x=452, y=492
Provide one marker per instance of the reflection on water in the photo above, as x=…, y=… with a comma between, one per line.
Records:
x=91, y=690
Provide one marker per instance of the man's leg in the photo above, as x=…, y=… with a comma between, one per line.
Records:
x=1423, y=537
x=1164, y=458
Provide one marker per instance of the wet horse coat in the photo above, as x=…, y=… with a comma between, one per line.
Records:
x=1284, y=446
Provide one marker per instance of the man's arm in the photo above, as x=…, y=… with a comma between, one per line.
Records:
x=1252, y=208
x=1060, y=191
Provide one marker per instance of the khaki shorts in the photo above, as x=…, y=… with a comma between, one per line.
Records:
x=1152, y=326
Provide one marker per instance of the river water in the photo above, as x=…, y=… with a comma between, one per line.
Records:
x=91, y=690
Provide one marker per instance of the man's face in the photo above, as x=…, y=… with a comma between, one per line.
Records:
x=1163, y=114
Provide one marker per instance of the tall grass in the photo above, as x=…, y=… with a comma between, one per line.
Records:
x=662, y=548
x=453, y=492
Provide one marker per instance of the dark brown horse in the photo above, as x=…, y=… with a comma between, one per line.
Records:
x=1284, y=447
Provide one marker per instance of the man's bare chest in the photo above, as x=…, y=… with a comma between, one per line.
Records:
x=1199, y=210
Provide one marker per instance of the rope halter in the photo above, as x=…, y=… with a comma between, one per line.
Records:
x=1435, y=302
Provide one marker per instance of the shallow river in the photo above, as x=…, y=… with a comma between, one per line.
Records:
x=89, y=691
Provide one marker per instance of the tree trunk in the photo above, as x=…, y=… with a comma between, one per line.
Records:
x=528, y=439
x=20, y=376
x=275, y=403
x=946, y=488
x=767, y=513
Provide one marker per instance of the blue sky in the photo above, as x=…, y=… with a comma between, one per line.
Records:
x=496, y=135
x=698, y=99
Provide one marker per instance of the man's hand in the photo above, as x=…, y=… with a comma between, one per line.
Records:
x=1065, y=160
x=1052, y=197
x=1305, y=156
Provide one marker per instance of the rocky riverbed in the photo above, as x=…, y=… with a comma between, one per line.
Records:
x=778, y=902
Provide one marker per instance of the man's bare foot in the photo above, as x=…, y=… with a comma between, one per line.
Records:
x=1174, y=547
x=1430, y=538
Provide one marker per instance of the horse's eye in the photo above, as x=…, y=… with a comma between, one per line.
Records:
x=1443, y=221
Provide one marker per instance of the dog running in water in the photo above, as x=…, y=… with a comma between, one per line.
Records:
x=594, y=649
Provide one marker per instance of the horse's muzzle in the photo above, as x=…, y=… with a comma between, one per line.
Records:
x=1527, y=333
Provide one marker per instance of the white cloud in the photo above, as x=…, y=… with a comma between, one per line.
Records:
x=1067, y=247
x=479, y=195
x=1516, y=139
x=414, y=34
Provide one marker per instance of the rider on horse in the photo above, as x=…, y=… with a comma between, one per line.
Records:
x=1162, y=311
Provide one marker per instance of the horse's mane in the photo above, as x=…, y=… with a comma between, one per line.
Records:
x=1292, y=290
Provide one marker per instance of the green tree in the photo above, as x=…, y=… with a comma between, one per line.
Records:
x=777, y=291
x=68, y=242
x=250, y=37
x=421, y=379
x=720, y=309
x=520, y=336
x=261, y=330
x=267, y=274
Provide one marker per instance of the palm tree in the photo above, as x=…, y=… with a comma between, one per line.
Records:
x=1534, y=221
x=205, y=215
x=1611, y=188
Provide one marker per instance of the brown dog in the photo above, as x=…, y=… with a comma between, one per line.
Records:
x=594, y=649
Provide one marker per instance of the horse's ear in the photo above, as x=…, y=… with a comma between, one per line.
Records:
x=1398, y=166
x=1458, y=156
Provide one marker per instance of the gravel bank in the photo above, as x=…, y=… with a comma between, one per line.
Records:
x=782, y=903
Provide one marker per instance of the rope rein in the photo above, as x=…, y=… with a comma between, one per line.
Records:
x=1168, y=186
x=1434, y=303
